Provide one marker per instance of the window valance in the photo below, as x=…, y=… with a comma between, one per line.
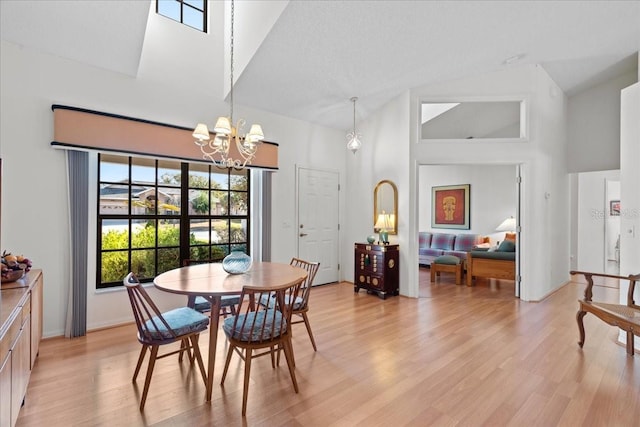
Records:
x=82, y=129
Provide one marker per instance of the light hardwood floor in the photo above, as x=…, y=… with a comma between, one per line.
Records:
x=456, y=356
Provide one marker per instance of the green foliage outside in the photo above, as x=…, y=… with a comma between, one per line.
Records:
x=115, y=263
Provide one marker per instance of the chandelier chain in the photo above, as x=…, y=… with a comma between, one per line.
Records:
x=231, y=68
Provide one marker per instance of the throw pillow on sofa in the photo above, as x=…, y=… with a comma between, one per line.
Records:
x=506, y=246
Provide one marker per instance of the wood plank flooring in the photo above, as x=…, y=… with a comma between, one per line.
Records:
x=457, y=356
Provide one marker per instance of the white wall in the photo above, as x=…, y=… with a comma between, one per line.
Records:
x=591, y=217
x=545, y=196
x=493, y=196
x=630, y=184
x=384, y=155
x=594, y=126
x=35, y=203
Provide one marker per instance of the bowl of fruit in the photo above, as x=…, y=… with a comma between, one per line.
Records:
x=13, y=267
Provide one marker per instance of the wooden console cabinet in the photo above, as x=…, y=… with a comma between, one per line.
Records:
x=376, y=269
x=20, y=335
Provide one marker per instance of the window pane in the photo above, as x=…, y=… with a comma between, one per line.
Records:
x=238, y=230
x=143, y=171
x=144, y=202
x=114, y=199
x=143, y=263
x=199, y=231
x=115, y=266
x=198, y=4
x=168, y=259
x=219, y=180
x=193, y=18
x=115, y=234
x=169, y=232
x=220, y=231
x=170, y=9
x=219, y=202
x=198, y=202
x=238, y=203
x=198, y=176
x=143, y=234
x=219, y=252
x=168, y=201
x=114, y=168
x=239, y=180
x=169, y=173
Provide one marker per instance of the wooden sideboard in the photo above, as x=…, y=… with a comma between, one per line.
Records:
x=376, y=269
x=20, y=335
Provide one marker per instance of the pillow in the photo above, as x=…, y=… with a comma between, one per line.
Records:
x=482, y=245
x=510, y=236
x=506, y=246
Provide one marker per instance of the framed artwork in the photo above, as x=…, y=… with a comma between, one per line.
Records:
x=450, y=206
x=614, y=207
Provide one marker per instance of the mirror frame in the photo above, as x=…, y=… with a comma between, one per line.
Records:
x=395, y=204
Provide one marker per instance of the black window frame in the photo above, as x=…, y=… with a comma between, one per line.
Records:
x=183, y=5
x=186, y=243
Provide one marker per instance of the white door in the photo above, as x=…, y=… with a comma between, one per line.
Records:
x=318, y=221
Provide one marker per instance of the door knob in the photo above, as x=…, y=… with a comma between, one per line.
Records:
x=303, y=234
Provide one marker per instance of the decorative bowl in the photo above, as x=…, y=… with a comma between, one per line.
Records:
x=12, y=276
x=236, y=262
x=371, y=238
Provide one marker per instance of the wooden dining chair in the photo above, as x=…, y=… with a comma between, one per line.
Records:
x=301, y=305
x=259, y=330
x=228, y=303
x=155, y=329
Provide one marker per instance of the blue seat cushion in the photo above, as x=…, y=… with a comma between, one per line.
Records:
x=265, y=300
x=202, y=304
x=255, y=326
x=183, y=320
x=447, y=260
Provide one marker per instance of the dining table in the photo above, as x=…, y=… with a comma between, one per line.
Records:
x=212, y=282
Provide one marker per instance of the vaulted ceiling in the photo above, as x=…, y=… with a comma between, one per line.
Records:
x=318, y=54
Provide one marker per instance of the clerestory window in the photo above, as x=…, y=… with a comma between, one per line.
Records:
x=189, y=12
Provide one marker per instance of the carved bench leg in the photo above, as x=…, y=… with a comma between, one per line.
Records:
x=579, y=317
x=630, y=343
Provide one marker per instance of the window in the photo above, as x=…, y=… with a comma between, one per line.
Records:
x=189, y=12
x=153, y=214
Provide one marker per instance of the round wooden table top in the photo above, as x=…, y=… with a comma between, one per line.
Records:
x=212, y=280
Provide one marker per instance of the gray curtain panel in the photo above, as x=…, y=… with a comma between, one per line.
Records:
x=78, y=169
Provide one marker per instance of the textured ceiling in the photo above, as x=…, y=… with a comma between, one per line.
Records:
x=321, y=53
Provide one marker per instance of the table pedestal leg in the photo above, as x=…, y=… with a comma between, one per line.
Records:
x=213, y=341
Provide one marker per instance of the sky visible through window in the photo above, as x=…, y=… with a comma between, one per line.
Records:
x=189, y=12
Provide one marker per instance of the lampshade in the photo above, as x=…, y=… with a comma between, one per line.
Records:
x=384, y=222
x=508, y=224
x=201, y=132
x=255, y=133
x=223, y=126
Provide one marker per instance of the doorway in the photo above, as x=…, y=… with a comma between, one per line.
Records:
x=495, y=191
x=612, y=227
x=318, y=221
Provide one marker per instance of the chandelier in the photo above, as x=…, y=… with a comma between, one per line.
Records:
x=226, y=134
x=354, y=143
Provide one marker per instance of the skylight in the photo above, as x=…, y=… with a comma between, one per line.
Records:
x=192, y=13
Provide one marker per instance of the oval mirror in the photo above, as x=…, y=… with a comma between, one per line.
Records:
x=385, y=207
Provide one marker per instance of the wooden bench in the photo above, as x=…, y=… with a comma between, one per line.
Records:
x=625, y=317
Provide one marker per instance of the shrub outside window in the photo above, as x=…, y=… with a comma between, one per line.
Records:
x=153, y=214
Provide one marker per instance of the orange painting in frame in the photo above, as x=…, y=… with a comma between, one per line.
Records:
x=450, y=206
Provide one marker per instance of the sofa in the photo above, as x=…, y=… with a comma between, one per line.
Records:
x=432, y=245
x=497, y=264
